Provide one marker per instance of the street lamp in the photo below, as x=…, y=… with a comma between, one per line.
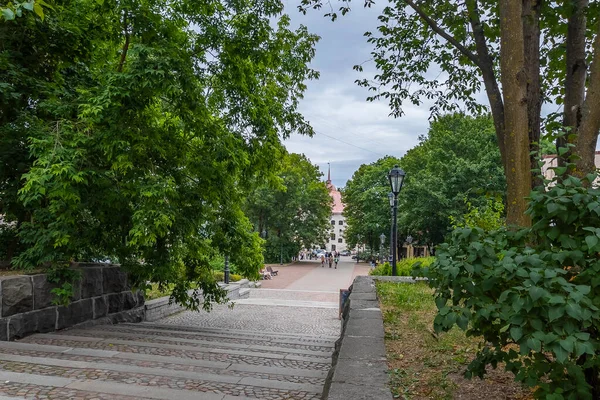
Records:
x=226, y=270
x=382, y=239
x=391, y=199
x=358, y=246
x=396, y=177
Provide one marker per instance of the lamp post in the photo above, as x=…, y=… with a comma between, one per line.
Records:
x=391, y=199
x=382, y=239
x=226, y=270
x=358, y=247
x=396, y=177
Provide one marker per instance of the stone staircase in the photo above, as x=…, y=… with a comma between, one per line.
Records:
x=156, y=361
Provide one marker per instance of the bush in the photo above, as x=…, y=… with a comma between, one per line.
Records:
x=531, y=294
x=234, y=277
x=404, y=267
x=220, y=276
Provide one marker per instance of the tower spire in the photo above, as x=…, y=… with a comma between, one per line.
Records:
x=328, y=172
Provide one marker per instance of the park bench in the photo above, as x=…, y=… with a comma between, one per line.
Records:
x=273, y=273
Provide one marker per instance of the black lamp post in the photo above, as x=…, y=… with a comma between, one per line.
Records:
x=382, y=239
x=396, y=177
x=358, y=246
x=226, y=270
x=391, y=199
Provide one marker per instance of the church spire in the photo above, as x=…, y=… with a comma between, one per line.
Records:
x=328, y=172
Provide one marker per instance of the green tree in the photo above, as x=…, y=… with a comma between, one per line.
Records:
x=293, y=210
x=456, y=163
x=520, y=53
x=367, y=208
x=132, y=131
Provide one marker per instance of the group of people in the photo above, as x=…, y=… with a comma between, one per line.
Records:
x=330, y=258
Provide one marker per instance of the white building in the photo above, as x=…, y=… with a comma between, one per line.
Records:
x=551, y=161
x=336, y=241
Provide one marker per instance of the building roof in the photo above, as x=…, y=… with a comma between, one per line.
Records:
x=337, y=206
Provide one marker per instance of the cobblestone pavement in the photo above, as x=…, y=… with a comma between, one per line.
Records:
x=155, y=381
x=276, y=349
x=30, y=391
x=313, y=321
x=166, y=365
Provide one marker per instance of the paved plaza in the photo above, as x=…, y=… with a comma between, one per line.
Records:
x=276, y=344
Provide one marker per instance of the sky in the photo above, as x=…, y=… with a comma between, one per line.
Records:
x=349, y=130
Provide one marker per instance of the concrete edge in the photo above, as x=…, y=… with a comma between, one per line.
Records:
x=360, y=360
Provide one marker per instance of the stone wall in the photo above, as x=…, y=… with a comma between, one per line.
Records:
x=102, y=295
x=359, y=370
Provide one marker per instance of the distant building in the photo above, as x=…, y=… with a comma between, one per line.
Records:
x=336, y=241
x=551, y=161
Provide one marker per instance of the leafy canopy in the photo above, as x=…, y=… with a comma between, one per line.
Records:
x=132, y=131
x=293, y=211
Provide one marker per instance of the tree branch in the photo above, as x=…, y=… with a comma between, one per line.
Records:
x=486, y=65
x=126, y=44
x=437, y=29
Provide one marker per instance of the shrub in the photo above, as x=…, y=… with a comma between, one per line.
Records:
x=404, y=267
x=531, y=294
x=220, y=276
x=235, y=277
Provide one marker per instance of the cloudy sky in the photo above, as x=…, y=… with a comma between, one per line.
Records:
x=350, y=130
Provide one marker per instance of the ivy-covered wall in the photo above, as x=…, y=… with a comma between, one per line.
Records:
x=101, y=294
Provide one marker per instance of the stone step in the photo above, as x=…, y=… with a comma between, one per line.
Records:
x=49, y=386
x=197, y=342
x=244, y=293
x=315, y=377
x=159, y=378
x=213, y=337
x=272, y=336
x=232, y=356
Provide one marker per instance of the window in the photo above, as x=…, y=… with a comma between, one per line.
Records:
x=332, y=222
x=340, y=240
x=341, y=222
x=333, y=247
x=341, y=230
x=333, y=236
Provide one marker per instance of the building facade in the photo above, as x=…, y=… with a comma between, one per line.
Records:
x=336, y=241
x=550, y=161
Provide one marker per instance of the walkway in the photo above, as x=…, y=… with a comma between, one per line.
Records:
x=274, y=345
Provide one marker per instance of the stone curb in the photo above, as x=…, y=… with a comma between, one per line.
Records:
x=359, y=368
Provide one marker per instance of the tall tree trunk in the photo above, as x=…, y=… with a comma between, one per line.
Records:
x=576, y=72
x=531, y=37
x=516, y=137
x=587, y=134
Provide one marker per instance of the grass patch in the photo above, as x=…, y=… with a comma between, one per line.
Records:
x=425, y=365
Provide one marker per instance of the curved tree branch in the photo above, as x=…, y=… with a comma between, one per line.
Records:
x=437, y=29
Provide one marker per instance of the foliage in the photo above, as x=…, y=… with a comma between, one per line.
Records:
x=293, y=210
x=367, y=208
x=489, y=217
x=424, y=365
x=65, y=277
x=10, y=11
x=404, y=267
x=133, y=130
x=520, y=54
x=454, y=166
x=532, y=294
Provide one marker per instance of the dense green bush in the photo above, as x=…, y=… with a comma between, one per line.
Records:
x=531, y=294
x=404, y=267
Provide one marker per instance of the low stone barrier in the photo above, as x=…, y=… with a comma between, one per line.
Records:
x=359, y=368
x=102, y=295
x=160, y=308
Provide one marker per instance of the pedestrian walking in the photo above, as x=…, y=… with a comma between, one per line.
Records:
x=336, y=259
x=322, y=260
x=330, y=260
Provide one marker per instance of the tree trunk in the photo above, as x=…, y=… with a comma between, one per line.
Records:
x=516, y=137
x=587, y=134
x=531, y=37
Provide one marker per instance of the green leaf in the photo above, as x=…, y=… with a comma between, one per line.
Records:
x=573, y=310
x=555, y=312
x=556, y=299
x=591, y=242
x=534, y=344
x=8, y=14
x=516, y=333
x=553, y=208
x=535, y=277
x=504, y=328
x=561, y=354
x=536, y=293
x=28, y=5
x=37, y=8
x=567, y=344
